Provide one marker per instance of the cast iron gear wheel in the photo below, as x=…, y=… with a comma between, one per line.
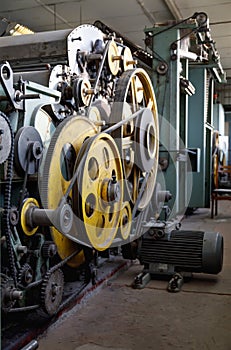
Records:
x=49, y=249
x=7, y=287
x=25, y=275
x=52, y=291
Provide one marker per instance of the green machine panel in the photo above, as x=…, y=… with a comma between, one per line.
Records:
x=200, y=135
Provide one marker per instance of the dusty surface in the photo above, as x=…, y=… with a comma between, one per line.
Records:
x=122, y=318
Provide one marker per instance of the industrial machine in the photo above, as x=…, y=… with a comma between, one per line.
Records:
x=81, y=169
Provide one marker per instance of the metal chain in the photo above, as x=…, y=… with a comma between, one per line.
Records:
x=7, y=204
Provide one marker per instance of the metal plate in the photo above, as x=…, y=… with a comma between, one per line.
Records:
x=25, y=137
x=81, y=38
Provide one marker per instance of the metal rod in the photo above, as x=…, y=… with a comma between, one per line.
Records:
x=31, y=345
x=39, y=217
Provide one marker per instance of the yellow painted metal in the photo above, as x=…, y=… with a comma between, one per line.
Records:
x=128, y=61
x=139, y=90
x=215, y=169
x=95, y=117
x=125, y=220
x=85, y=92
x=98, y=163
x=28, y=204
x=72, y=131
x=113, y=58
x=134, y=89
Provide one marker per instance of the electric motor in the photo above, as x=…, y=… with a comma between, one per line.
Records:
x=194, y=251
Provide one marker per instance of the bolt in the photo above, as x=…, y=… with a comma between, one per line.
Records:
x=114, y=179
x=14, y=295
x=66, y=216
x=38, y=150
x=52, y=250
x=28, y=277
x=21, y=249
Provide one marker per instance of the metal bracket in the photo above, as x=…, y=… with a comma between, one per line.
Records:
x=141, y=280
x=175, y=283
x=6, y=79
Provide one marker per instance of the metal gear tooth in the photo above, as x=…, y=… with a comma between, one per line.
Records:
x=6, y=283
x=25, y=269
x=52, y=291
x=74, y=131
x=99, y=152
x=7, y=200
x=49, y=249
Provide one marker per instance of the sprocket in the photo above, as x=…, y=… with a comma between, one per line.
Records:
x=9, y=293
x=25, y=275
x=52, y=291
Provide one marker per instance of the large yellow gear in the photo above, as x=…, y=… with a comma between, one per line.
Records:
x=98, y=191
x=57, y=171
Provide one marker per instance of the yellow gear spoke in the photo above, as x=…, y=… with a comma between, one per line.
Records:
x=99, y=188
x=138, y=139
x=56, y=173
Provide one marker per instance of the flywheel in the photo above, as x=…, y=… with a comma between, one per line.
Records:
x=138, y=139
x=98, y=191
x=56, y=173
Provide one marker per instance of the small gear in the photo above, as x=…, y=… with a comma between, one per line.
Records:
x=9, y=294
x=25, y=275
x=49, y=249
x=52, y=291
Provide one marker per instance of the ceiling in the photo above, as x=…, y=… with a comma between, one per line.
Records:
x=128, y=17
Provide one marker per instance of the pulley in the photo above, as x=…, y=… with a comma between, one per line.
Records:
x=134, y=93
x=114, y=58
x=56, y=172
x=125, y=220
x=128, y=61
x=82, y=92
x=145, y=141
x=28, y=150
x=98, y=191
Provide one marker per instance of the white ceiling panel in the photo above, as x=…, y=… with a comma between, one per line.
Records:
x=197, y=4
x=129, y=17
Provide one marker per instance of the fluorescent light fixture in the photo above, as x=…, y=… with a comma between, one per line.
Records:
x=20, y=29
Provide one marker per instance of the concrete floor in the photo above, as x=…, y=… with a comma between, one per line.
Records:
x=119, y=317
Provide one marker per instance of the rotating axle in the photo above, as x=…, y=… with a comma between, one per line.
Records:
x=32, y=217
